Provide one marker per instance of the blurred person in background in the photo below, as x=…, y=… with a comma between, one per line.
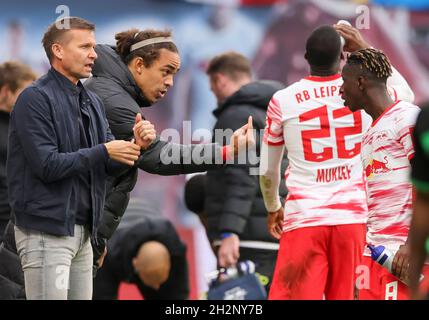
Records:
x=234, y=205
x=11, y=276
x=14, y=77
x=145, y=250
x=419, y=229
x=195, y=196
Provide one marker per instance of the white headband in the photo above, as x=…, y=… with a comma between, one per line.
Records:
x=147, y=42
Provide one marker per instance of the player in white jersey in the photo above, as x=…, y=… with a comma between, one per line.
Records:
x=386, y=153
x=322, y=227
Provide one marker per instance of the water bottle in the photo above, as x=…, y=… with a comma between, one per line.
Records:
x=246, y=267
x=242, y=267
x=343, y=41
x=223, y=274
x=384, y=257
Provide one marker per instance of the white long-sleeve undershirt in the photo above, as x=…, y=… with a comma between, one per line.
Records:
x=269, y=170
x=400, y=85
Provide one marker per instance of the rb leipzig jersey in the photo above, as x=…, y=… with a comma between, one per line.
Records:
x=323, y=141
x=386, y=153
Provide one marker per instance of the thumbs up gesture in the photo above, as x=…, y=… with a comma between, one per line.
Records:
x=144, y=132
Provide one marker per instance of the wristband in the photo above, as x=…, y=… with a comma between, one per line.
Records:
x=225, y=235
x=225, y=155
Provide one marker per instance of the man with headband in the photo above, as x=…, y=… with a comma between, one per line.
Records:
x=135, y=74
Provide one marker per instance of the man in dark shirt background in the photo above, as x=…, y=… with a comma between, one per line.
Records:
x=146, y=251
x=234, y=207
x=14, y=77
x=419, y=229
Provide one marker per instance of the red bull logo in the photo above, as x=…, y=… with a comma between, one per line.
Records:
x=377, y=167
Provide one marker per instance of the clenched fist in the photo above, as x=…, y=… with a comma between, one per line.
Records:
x=144, y=132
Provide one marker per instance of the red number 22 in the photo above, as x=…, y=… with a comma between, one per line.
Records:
x=324, y=132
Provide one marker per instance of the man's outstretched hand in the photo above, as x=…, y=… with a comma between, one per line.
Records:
x=242, y=139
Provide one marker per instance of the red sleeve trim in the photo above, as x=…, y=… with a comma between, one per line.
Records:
x=384, y=112
x=274, y=143
x=224, y=153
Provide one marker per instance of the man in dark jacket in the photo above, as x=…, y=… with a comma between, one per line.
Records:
x=14, y=77
x=60, y=152
x=234, y=205
x=11, y=276
x=145, y=250
x=136, y=74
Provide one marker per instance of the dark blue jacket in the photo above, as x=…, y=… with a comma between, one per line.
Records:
x=45, y=159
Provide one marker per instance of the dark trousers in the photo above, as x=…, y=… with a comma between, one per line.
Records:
x=9, y=237
x=3, y=224
x=11, y=275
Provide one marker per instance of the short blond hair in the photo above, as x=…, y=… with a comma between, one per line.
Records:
x=14, y=73
x=232, y=64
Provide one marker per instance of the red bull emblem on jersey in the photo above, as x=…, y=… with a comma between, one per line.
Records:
x=377, y=167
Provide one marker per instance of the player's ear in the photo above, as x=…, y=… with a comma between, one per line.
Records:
x=221, y=80
x=4, y=92
x=138, y=65
x=305, y=56
x=362, y=83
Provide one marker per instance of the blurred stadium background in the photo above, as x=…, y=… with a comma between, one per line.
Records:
x=271, y=33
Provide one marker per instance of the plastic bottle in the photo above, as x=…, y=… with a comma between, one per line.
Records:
x=223, y=274
x=242, y=267
x=384, y=257
x=343, y=41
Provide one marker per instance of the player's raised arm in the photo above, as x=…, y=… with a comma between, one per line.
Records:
x=269, y=170
x=398, y=87
x=401, y=90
